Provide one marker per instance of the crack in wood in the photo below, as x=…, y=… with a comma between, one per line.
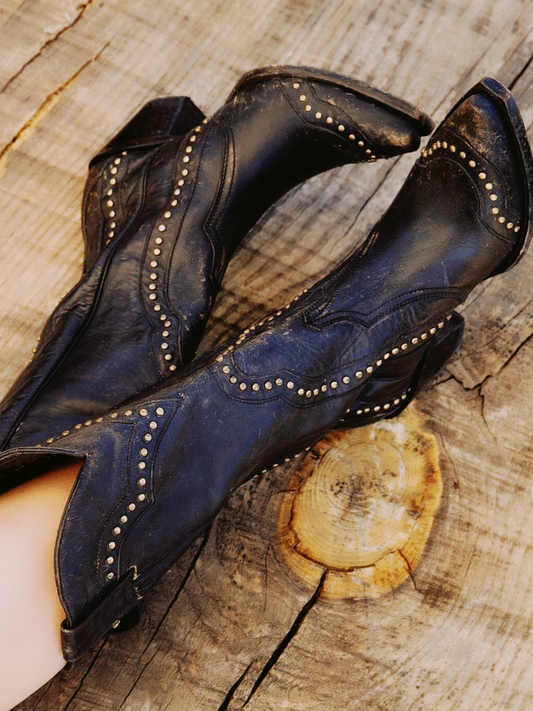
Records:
x=287, y=639
x=521, y=73
x=83, y=9
x=44, y=109
x=231, y=693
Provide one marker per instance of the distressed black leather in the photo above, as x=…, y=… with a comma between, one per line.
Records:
x=172, y=211
x=160, y=466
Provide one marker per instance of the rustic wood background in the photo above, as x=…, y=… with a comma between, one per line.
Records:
x=232, y=626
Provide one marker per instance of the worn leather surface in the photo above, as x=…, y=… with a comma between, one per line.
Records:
x=162, y=464
x=175, y=214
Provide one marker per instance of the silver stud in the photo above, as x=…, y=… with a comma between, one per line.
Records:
x=379, y=362
x=112, y=225
x=110, y=560
x=301, y=391
x=482, y=176
x=113, y=171
x=147, y=437
x=111, y=545
x=141, y=465
x=517, y=229
x=377, y=408
x=414, y=341
x=158, y=240
x=161, y=228
x=453, y=148
x=110, y=576
x=395, y=351
x=296, y=85
x=324, y=388
x=488, y=186
x=168, y=356
x=495, y=210
x=99, y=419
x=341, y=128
x=153, y=264
x=501, y=219
x=493, y=197
x=152, y=297
x=181, y=182
x=318, y=115
x=329, y=119
x=302, y=98
x=186, y=159
x=268, y=385
x=173, y=367
x=334, y=384
x=185, y=172
x=117, y=530
x=472, y=163
x=462, y=154
x=165, y=334
x=188, y=149
x=123, y=519
x=255, y=386
x=141, y=481
x=368, y=151
x=233, y=379
x=225, y=368
x=242, y=386
x=153, y=425
x=143, y=452
x=143, y=412
x=360, y=143
x=369, y=369
x=345, y=379
x=404, y=396
x=308, y=393
x=367, y=409
x=290, y=385
x=441, y=324
x=444, y=144
x=386, y=356
x=110, y=203
x=65, y=433
x=49, y=441
x=397, y=401
x=308, y=107
x=432, y=330
x=141, y=497
x=131, y=507
x=113, y=181
x=164, y=346
x=359, y=412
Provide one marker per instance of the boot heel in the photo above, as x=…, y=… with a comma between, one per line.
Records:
x=157, y=121
x=386, y=397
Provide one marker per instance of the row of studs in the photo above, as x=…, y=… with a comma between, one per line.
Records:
x=143, y=412
x=108, y=198
x=482, y=175
x=334, y=384
x=141, y=483
x=378, y=408
x=287, y=459
x=330, y=121
x=157, y=250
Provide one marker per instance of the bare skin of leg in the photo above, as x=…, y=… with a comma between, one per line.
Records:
x=30, y=610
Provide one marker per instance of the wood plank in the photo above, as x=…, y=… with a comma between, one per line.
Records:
x=244, y=629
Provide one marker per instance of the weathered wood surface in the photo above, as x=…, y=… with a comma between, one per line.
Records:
x=233, y=625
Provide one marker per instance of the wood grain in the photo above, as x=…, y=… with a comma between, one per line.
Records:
x=232, y=626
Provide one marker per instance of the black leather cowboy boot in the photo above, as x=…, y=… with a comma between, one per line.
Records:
x=162, y=464
x=174, y=213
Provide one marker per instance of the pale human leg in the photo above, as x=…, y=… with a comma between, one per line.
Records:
x=30, y=610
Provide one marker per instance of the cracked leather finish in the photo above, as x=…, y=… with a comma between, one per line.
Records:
x=162, y=464
x=176, y=212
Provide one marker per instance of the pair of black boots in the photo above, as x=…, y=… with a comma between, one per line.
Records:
x=166, y=204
